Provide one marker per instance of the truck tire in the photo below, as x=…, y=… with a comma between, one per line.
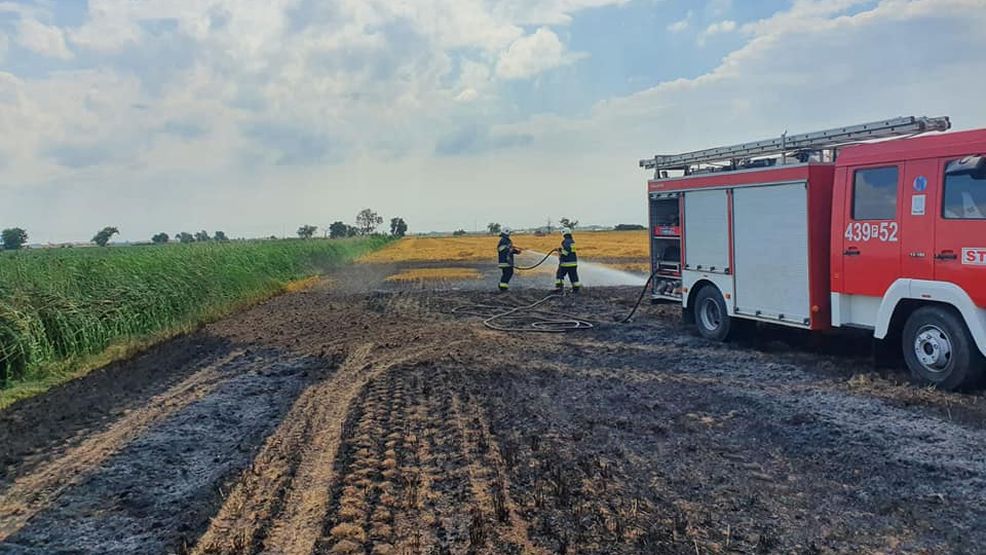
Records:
x=939, y=350
x=711, y=316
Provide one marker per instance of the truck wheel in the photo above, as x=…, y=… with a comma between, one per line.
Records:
x=710, y=314
x=938, y=349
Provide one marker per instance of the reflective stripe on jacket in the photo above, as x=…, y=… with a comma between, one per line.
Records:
x=505, y=252
x=566, y=255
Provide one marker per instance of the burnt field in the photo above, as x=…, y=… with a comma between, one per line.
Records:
x=366, y=416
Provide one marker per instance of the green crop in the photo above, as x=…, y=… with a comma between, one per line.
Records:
x=59, y=304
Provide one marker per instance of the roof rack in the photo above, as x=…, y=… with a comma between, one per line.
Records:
x=806, y=142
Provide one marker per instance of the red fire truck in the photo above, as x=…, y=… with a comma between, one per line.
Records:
x=869, y=226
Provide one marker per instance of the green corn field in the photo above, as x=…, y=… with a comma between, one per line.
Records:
x=56, y=305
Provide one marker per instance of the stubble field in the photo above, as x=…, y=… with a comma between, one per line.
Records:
x=596, y=245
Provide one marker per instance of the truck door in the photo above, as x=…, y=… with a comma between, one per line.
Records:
x=871, y=239
x=921, y=188
x=960, y=237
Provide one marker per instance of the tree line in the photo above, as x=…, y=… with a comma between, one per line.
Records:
x=366, y=223
x=15, y=238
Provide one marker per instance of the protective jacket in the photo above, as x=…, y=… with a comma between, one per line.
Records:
x=505, y=252
x=566, y=255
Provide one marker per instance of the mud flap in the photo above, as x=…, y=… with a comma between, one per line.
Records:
x=687, y=316
x=885, y=353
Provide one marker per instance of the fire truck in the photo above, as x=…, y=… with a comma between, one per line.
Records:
x=879, y=226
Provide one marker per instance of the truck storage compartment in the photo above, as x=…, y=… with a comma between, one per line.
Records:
x=706, y=231
x=770, y=242
x=665, y=239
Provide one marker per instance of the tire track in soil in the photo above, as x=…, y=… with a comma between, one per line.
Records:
x=420, y=475
x=300, y=446
x=366, y=496
x=33, y=493
x=280, y=504
x=451, y=492
x=431, y=518
x=158, y=491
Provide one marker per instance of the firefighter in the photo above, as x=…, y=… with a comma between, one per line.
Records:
x=505, y=251
x=568, y=263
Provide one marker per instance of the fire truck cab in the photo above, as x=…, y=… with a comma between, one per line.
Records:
x=805, y=232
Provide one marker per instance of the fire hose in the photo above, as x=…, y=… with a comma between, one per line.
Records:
x=543, y=260
x=543, y=321
x=538, y=320
x=636, y=305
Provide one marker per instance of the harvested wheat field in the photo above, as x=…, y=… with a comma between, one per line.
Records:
x=428, y=274
x=593, y=245
x=368, y=415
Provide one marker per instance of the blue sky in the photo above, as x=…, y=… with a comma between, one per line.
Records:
x=256, y=116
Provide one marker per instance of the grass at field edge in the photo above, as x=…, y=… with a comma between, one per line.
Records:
x=58, y=373
x=45, y=375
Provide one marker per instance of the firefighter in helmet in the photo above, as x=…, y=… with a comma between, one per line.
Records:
x=505, y=251
x=568, y=263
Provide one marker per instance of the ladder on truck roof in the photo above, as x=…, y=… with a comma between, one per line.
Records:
x=806, y=142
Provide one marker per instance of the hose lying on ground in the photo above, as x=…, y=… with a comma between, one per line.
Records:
x=536, y=320
x=636, y=305
x=548, y=322
x=640, y=298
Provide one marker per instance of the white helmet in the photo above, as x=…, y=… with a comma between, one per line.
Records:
x=505, y=231
x=566, y=231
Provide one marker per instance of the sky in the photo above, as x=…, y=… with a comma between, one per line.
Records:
x=257, y=116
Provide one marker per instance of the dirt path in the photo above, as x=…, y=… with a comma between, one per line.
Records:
x=364, y=417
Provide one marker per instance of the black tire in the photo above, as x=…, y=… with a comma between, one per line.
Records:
x=939, y=349
x=710, y=314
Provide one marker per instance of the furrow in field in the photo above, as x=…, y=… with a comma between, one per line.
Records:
x=414, y=520
x=280, y=505
x=505, y=510
x=35, y=492
x=481, y=516
x=367, y=495
x=454, y=491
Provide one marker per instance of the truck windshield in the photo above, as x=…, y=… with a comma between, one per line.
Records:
x=965, y=197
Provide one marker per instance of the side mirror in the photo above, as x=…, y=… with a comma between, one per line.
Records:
x=974, y=166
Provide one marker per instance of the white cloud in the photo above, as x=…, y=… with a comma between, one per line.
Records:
x=725, y=26
x=719, y=8
x=717, y=28
x=534, y=54
x=546, y=12
x=43, y=39
x=467, y=95
x=681, y=24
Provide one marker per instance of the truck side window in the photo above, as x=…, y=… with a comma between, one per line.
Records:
x=965, y=197
x=875, y=194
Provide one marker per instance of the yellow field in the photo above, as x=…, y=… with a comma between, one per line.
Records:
x=421, y=274
x=605, y=245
